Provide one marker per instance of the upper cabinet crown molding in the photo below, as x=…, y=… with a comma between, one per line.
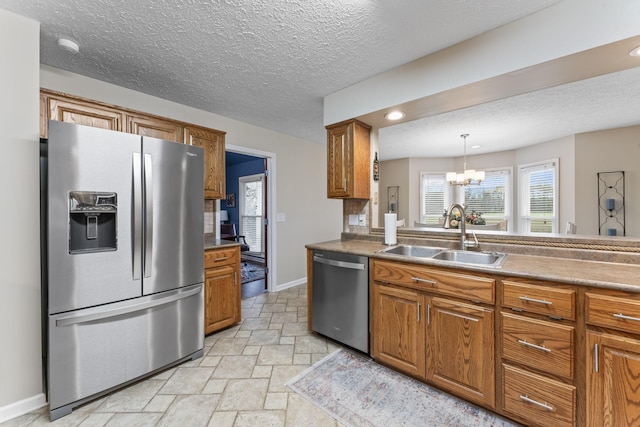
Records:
x=73, y=109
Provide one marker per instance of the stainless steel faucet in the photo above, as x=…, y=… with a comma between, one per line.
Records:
x=464, y=244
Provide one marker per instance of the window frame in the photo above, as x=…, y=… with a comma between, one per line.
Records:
x=260, y=177
x=524, y=201
x=447, y=196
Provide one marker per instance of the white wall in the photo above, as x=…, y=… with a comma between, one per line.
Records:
x=300, y=177
x=578, y=24
x=20, y=357
x=406, y=172
x=606, y=151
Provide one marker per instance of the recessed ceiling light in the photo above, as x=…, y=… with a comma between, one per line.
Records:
x=394, y=115
x=69, y=45
x=635, y=51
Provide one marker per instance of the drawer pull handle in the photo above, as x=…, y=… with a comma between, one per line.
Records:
x=622, y=316
x=535, y=402
x=538, y=347
x=539, y=301
x=223, y=258
x=430, y=282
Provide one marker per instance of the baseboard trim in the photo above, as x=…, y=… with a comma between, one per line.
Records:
x=21, y=407
x=288, y=285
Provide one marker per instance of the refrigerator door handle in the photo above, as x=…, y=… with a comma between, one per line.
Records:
x=106, y=314
x=148, y=215
x=136, y=229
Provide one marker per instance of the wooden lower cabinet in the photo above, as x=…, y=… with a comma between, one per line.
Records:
x=399, y=340
x=538, y=400
x=613, y=380
x=460, y=349
x=222, y=292
x=445, y=342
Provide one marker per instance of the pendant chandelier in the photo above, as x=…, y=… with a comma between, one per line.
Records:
x=469, y=176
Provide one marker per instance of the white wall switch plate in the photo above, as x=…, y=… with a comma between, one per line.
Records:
x=353, y=219
x=362, y=219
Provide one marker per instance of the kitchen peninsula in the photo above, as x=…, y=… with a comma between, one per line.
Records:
x=549, y=338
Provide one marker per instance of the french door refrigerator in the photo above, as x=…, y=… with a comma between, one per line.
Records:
x=123, y=290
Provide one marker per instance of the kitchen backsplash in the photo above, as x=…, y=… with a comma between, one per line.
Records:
x=209, y=207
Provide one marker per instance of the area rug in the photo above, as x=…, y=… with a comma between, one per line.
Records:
x=359, y=392
x=250, y=272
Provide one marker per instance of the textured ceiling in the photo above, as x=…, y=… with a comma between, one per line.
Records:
x=603, y=102
x=264, y=62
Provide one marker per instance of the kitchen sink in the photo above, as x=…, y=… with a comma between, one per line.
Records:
x=491, y=259
x=413, y=251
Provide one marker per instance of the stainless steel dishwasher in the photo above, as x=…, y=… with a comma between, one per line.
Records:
x=340, y=299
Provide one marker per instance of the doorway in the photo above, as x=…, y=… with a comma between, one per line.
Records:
x=248, y=206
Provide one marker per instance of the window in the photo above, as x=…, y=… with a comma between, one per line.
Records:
x=434, y=197
x=538, y=189
x=491, y=198
x=252, y=211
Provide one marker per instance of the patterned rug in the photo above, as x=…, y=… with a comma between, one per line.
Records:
x=359, y=392
x=250, y=272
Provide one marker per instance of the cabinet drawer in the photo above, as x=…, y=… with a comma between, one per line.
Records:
x=475, y=288
x=219, y=257
x=539, y=400
x=613, y=312
x=539, y=344
x=544, y=300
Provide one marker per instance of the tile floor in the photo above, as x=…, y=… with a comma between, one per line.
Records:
x=239, y=381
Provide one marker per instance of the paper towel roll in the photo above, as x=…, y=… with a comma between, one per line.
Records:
x=390, y=229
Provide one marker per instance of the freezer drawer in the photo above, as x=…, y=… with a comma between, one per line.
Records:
x=96, y=349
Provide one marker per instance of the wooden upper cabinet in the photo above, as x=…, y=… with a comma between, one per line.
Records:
x=155, y=127
x=348, y=160
x=80, y=112
x=214, y=159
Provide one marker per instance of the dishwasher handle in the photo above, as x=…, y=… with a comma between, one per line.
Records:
x=336, y=263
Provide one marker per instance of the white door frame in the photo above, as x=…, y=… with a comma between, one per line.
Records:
x=271, y=207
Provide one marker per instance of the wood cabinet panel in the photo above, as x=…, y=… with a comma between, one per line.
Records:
x=546, y=300
x=460, y=349
x=154, y=127
x=472, y=287
x=613, y=380
x=348, y=160
x=212, y=142
x=222, y=291
x=613, y=312
x=538, y=400
x=399, y=332
x=84, y=113
x=539, y=344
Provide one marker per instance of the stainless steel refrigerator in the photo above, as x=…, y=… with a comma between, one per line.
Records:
x=123, y=286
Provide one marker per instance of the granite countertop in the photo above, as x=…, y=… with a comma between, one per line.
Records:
x=619, y=276
x=210, y=242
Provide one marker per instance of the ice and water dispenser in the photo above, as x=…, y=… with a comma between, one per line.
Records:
x=92, y=222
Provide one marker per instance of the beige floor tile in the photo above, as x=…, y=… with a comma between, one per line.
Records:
x=275, y=355
x=139, y=420
x=96, y=420
x=276, y=326
x=192, y=411
x=187, y=381
x=302, y=413
x=235, y=367
x=287, y=340
x=210, y=361
x=253, y=324
x=227, y=333
x=244, y=395
x=251, y=350
x=215, y=387
x=264, y=337
x=286, y=317
x=302, y=359
x=160, y=403
x=294, y=329
x=133, y=398
x=262, y=371
x=260, y=418
x=222, y=419
x=311, y=344
x=281, y=374
x=228, y=347
x=274, y=308
x=276, y=401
